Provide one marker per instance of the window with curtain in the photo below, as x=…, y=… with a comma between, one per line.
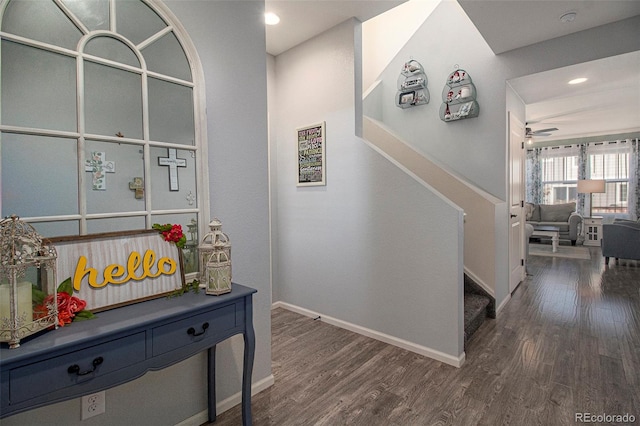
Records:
x=611, y=163
x=559, y=178
x=98, y=119
x=553, y=172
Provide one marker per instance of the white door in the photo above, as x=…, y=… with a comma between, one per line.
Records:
x=516, y=202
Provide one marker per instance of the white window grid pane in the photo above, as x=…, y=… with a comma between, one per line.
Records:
x=79, y=136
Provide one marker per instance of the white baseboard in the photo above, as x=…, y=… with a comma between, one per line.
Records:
x=395, y=341
x=236, y=399
x=226, y=404
x=503, y=304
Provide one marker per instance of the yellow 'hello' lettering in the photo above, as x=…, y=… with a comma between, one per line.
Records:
x=119, y=274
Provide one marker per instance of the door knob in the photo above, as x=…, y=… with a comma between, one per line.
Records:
x=514, y=215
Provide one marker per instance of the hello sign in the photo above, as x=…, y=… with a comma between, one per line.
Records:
x=118, y=268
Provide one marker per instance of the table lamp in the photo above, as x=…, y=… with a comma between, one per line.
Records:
x=591, y=186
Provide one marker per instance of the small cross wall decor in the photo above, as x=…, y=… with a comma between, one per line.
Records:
x=190, y=198
x=138, y=186
x=173, y=163
x=98, y=166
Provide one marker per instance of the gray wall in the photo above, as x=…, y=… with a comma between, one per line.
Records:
x=476, y=148
x=373, y=247
x=273, y=169
x=230, y=41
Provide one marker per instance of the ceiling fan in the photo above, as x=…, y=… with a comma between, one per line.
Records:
x=542, y=132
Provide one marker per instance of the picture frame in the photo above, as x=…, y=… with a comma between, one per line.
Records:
x=465, y=109
x=114, y=269
x=407, y=98
x=311, y=143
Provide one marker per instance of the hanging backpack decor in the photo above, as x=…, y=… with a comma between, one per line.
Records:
x=412, y=86
x=459, y=97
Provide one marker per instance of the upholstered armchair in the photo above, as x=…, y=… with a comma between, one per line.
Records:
x=621, y=240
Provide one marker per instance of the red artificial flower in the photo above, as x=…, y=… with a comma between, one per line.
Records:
x=171, y=233
x=76, y=305
x=68, y=306
x=64, y=317
x=63, y=301
x=174, y=234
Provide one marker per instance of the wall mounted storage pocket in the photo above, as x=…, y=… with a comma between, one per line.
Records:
x=412, y=86
x=459, y=97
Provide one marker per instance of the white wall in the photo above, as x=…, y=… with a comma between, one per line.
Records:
x=373, y=247
x=238, y=162
x=380, y=44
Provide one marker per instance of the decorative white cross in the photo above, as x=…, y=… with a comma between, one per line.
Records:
x=99, y=166
x=173, y=163
x=191, y=198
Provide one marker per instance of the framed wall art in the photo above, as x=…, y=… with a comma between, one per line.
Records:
x=114, y=269
x=311, y=155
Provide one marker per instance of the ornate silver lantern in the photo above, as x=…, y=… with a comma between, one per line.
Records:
x=213, y=239
x=218, y=272
x=28, y=300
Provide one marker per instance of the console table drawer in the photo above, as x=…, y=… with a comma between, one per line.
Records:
x=53, y=374
x=193, y=329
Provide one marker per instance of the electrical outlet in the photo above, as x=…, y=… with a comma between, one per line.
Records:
x=93, y=404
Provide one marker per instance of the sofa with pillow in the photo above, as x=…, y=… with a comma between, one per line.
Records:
x=563, y=216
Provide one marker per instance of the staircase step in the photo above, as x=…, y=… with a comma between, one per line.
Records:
x=470, y=286
x=475, y=312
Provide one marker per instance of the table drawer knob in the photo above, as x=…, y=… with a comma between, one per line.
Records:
x=192, y=331
x=75, y=368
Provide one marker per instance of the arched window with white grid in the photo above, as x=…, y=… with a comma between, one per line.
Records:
x=101, y=118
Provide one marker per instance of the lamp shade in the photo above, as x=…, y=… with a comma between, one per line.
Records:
x=591, y=186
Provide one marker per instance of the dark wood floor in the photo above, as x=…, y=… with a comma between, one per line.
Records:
x=568, y=342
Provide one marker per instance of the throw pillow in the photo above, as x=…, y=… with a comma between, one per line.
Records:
x=528, y=209
x=556, y=212
x=535, y=214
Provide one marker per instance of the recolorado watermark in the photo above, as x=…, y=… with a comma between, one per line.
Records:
x=604, y=418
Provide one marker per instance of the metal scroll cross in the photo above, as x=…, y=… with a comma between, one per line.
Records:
x=173, y=163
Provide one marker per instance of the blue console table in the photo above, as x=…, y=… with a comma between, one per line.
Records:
x=122, y=344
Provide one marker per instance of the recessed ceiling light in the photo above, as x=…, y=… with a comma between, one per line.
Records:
x=578, y=80
x=271, y=18
x=568, y=17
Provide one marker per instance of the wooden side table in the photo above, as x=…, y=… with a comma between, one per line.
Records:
x=592, y=230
